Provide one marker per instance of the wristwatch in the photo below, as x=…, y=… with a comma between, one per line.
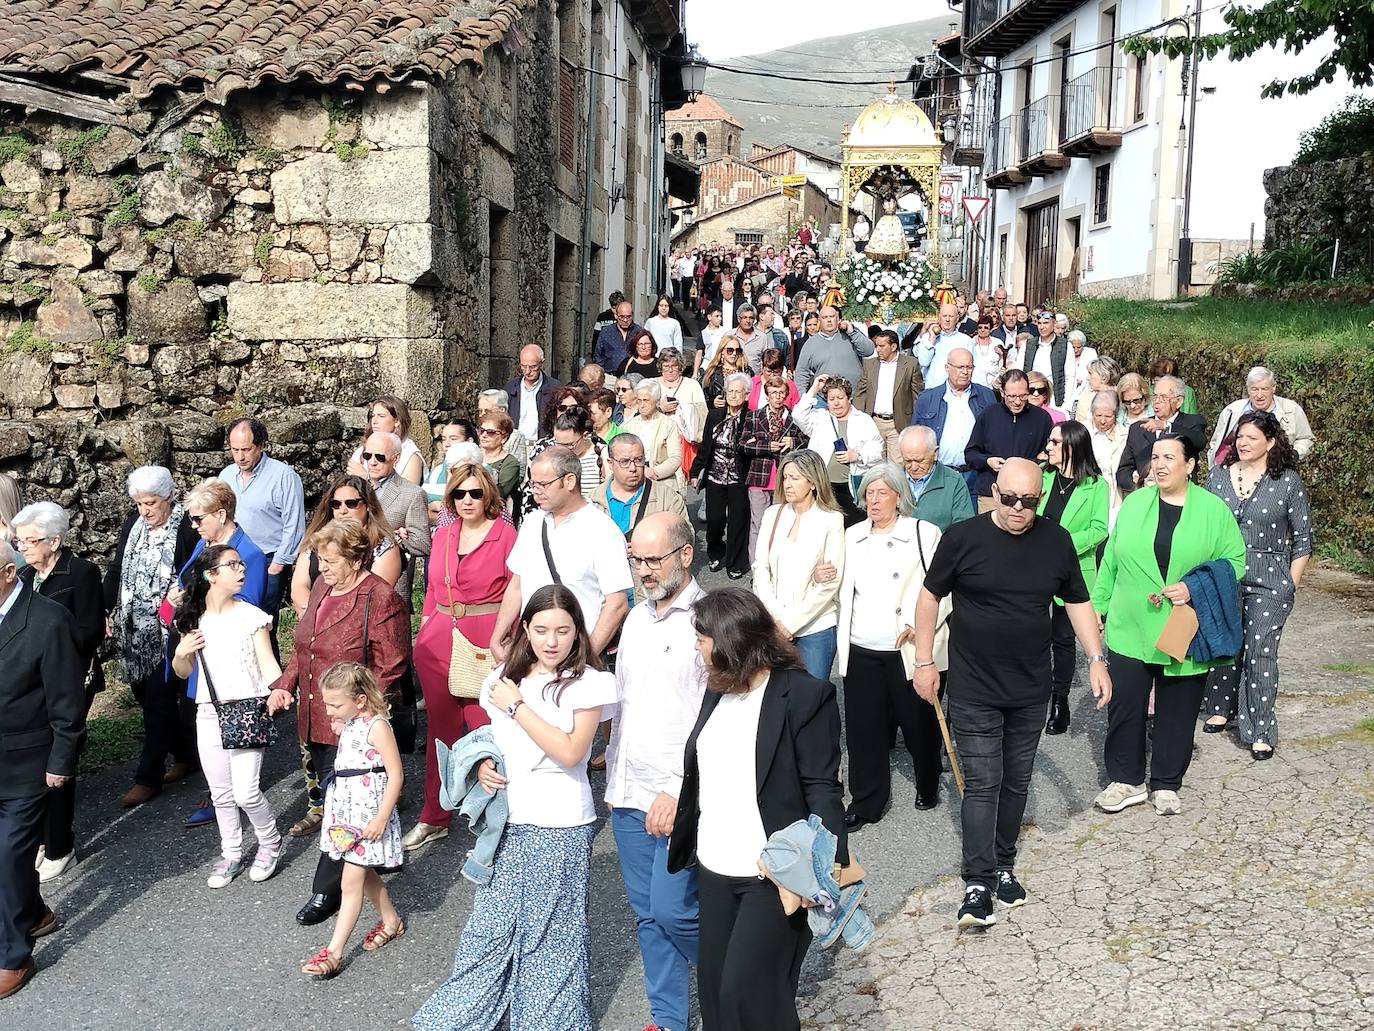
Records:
x=1096, y=658
x=510, y=709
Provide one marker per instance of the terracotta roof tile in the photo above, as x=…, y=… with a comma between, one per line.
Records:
x=223, y=45
x=703, y=109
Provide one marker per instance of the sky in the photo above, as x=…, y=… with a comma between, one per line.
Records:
x=729, y=28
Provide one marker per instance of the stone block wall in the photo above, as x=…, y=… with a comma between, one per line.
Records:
x=1323, y=201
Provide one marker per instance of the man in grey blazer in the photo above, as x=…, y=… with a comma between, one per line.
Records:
x=42, y=719
x=889, y=383
x=403, y=503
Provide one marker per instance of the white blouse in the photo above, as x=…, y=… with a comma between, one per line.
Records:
x=666, y=331
x=730, y=835
x=230, y=655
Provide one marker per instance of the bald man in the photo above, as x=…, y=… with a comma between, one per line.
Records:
x=834, y=351
x=1004, y=570
x=934, y=345
x=528, y=393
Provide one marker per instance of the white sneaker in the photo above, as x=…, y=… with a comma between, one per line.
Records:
x=1166, y=803
x=38, y=860
x=224, y=872
x=264, y=865
x=48, y=869
x=1117, y=796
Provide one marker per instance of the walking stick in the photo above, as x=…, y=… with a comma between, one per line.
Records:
x=949, y=745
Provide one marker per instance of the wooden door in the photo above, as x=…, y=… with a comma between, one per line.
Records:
x=1042, y=238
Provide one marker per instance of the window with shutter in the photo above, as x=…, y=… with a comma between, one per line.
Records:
x=567, y=114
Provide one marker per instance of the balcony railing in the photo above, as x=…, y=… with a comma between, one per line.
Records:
x=973, y=123
x=1092, y=112
x=995, y=28
x=1040, y=137
x=1004, y=148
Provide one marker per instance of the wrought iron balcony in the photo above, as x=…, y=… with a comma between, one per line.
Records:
x=1091, y=119
x=1004, y=142
x=973, y=124
x=1040, y=138
x=995, y=28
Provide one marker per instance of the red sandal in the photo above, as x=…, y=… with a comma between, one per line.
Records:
x=322, y=965
x=380, y=936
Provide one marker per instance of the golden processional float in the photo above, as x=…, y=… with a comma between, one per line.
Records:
x=890, y=152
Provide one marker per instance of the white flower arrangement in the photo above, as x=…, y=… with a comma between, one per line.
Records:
x=887, y=289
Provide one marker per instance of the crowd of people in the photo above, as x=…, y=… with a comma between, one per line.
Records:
x=934, y=513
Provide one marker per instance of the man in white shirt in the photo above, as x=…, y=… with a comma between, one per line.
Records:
x=932, y=350
x=660, y=681
x=566, y=541
x=527, y=393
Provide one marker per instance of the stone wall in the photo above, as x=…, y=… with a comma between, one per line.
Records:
x=1323, y=201
x=772, y=215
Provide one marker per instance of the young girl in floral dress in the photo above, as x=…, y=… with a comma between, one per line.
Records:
x=360, y=822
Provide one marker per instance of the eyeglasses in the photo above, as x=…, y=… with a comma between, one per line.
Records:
x=458, y=494
x=532, y=367
x=1040, y=391
x=654, y=563
x=958, y=368
x=235, y=564
x=1014, y=397
x=349, y=503
x=540, y=485
x=628, y=463
x=374, y=456
x=27, y=542
x=1026, y=501
x=623, y=390
x=488, y=431
x=1133, y=401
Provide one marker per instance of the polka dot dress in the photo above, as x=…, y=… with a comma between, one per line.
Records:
x=1276, y=523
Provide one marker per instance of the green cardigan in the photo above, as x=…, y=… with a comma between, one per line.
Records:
x=1085, y=517
x=945, y=500
x=1129, y=575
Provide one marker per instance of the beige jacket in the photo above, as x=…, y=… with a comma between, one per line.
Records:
x=788, y=589
x=662, y=445
x=1290, y=415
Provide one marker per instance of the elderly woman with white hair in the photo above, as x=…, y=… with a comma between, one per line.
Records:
x=662, y=439
x=885, y=561
x=720, y=467
x=1083, y=355
x=155, y=542
x=1101, y=373
x=52, y=570
x=1261, y=395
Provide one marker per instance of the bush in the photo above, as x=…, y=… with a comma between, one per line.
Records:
x=1305, y=261
x=1322, y=356
x=1346, y=132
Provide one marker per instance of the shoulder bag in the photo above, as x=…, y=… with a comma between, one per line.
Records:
x=548, y=551
x=468, y=665
x=244, y=722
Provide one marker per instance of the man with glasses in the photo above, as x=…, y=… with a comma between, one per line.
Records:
x=569, y=542
x=660, y=681
x=834, y=351
x=271, y=507
x=1004, y=571
x=612, y=343
x=403, y=503
x=951, y=410
x=1050, y=354
x=528, y=393
x=1134, y=469
x=629, y=497
x=1012, y=429
x=753, y=343
x=941, y=494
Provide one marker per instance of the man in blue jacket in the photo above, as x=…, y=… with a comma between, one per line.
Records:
x=951, y=409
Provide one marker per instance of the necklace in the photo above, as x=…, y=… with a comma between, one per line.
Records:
x=1062, y=483
x=1244, y=487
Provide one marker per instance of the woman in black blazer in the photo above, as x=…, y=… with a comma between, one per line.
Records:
x=763, y=721
x=40, y=532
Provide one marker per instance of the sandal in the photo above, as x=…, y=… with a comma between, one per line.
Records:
x=322, y=965
x=307, y=825
x=597, y=762
x=380, y=936
x=1215, y=728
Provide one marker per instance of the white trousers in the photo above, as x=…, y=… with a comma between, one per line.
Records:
x=233, y=776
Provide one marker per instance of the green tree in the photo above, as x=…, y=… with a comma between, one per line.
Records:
x=1293, y=25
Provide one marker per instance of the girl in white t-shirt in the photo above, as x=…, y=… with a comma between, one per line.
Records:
x=545, y=704
x=225, y=641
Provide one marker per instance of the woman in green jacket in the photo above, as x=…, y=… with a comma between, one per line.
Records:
x=1074, y=494
x=1162, y=533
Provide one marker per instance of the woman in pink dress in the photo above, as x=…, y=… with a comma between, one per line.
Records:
x=467, y=577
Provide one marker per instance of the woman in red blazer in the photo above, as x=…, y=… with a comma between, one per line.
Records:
x=354, y=616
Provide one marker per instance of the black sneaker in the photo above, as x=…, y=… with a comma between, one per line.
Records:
x=977, y=908
x=1009, y=890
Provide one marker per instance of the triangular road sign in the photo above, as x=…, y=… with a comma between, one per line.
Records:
x=974, y=207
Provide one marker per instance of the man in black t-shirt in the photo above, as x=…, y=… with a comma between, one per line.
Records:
x=1004, y=569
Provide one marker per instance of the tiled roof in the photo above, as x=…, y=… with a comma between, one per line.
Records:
x=226, y=45
x=703, y=109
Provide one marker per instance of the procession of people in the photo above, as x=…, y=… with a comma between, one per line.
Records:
x=924, y=529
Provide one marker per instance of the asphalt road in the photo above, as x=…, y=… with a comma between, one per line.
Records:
x=146, y=944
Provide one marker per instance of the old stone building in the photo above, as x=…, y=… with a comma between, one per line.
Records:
x=702, y=131
x=255, y=211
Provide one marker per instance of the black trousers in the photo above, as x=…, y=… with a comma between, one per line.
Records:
x=328, y=872
x=58, y=838
x=21, y=905
x=751, y=955
x=169, y=725
x=1178, y=700
x=844, y=497
x=997, y=747
x=727, y=525
x=1063, y=651
x=878, y=697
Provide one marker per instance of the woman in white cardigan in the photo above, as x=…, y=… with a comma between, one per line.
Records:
x=799, y=559
x=886, y=557
x=839, y=422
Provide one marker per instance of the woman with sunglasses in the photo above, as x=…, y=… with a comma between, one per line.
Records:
x=1074, y=494
x=493, y=429
x=728, y=360
x=1040, y=396
x=467, y=579
x=1135, y=398
x=348, y=497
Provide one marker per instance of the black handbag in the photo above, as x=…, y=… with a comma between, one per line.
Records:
x=244, y=722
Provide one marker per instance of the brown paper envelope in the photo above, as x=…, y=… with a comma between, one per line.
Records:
x=1178, y=633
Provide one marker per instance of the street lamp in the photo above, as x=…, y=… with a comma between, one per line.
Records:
x=949, y=128
x=694, y=73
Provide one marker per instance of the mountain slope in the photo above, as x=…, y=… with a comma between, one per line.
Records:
x=810, y=114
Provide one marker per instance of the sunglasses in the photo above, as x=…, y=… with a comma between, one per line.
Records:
x=1039, y=391
x=489, y=431
x=195, y=519
x=568, y=406
x=732, y=350
x=1133, y=400
x=1026, y=501
x=374, y=456
x=349, y=503
x=458, y=494
x=623, y=390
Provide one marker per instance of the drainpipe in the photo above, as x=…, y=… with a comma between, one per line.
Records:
x=1185, y=242
x=991, y=235
x=656, y=180
x=589, y=180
